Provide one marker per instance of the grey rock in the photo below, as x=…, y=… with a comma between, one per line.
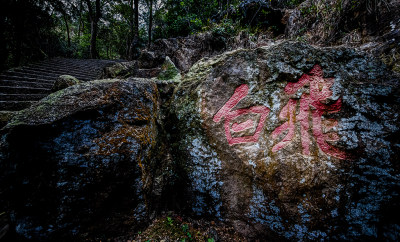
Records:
x=292, y=141
x=64, y=81
x=81, y=162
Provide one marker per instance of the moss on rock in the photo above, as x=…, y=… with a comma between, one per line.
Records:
x=169, y=71
x=64, y=81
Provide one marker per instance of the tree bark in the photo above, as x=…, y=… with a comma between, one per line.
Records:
x=136, y=32
x=93, y=42
x=80, y=20
x=94, y=19
x=67, y=27
x=150, y=22
x=131, y=17
x=132, y=29
x=3, y=47
x=19, y=30
x=133, y=53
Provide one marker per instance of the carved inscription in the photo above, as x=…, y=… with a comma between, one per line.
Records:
x=229, y=115
x=306, y=113
x=312, y=106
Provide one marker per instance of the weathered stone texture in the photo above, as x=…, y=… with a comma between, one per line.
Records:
x=82, y=161
x=292, y=141
x=283, y=142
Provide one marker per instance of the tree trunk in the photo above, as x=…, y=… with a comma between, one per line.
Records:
x=94, y=19
x=133, y=53
x=131, y=17
x=93, y=37
x=107, y=49
x=19, y=30
x=227, y=8
x=80, y=20
x=3, y=47
x=150, y=22
x=67, y=27
x=136, y=32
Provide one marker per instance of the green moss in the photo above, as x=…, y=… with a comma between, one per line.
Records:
x=116, y=70
x=64, y=81
x=392, y=61
x=6, y=117
x=169, y=71
x=173, y=228
x=58, y=104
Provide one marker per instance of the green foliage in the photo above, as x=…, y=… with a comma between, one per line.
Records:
x=185, y=228
x=226, y=28
x=169, y=221
x=27, y=33
x=64, y=28
x=294, y=3
x=183, y=17
x=173, y=228
x=308, y=10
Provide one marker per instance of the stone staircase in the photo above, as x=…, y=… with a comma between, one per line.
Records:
x=22, y=86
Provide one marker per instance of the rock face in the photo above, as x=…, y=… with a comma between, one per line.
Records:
x=169, y=71
x=185, y=51
x=129, y=69
x=283, y=142
x=292, y=142
x=83, y=161
x=371, y=26
x=120, y=69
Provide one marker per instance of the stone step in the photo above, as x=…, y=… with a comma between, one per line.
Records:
x=44, y=75
x=15, y=105
x=56, y=66
x=21, y=97
x=96, y=62
x=20, y=87
x=13, y=83
x=22, y=73
x=59, y=72
x=30, y=79
x=90, y=70
x=23, y=90
x=54, y=76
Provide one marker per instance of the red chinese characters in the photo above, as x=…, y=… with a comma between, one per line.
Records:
x=229, y=115
x=312, y=106
x=306, y=113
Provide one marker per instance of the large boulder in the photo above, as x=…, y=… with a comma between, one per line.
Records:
x=83, y=162
x=292, y=142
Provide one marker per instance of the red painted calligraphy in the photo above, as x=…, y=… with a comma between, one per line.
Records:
x=229, y=115
x=312, y=105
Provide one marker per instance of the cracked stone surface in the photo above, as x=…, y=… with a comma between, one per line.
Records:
x=292, y=141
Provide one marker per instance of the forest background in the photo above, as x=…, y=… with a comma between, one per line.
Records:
x=32, y=30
